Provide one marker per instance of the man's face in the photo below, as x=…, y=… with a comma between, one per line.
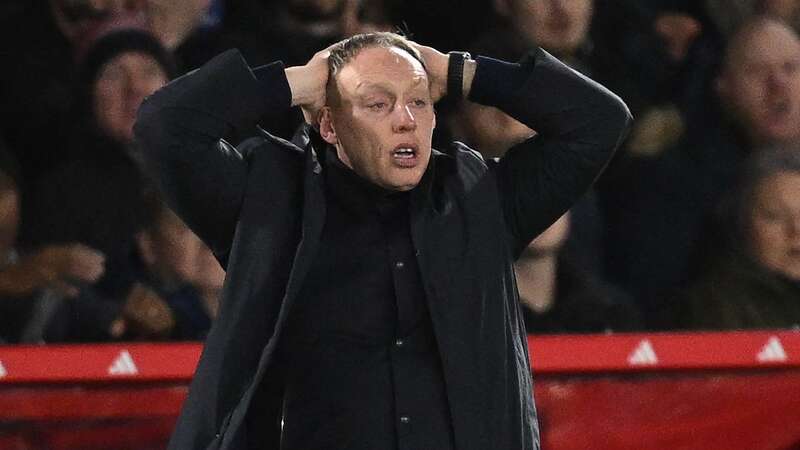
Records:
x=775, y=224
x=761, y=84
x=382, y=121
x=559, y=26
x=121, y=86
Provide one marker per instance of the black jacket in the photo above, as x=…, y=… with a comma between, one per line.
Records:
x=261, y=208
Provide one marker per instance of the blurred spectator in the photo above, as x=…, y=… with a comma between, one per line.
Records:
x=36, y=83
x=493, y=133
x=290, y=31
x=717, y=21
x=755, y=282
x=443, y=24
x=664, y=213
x=560, y=27
x=760, y=82
x=558, y=297
x=638, y=46
x=181, y=270
x=33, y=284
x=485, y=128
x=98, y=198
x=120, y=64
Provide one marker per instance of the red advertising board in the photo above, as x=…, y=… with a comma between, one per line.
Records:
x=692, y=391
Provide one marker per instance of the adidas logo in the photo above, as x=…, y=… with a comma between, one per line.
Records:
x=3, y=371
x=123, y=365
x=643, y=354
x=772, y=351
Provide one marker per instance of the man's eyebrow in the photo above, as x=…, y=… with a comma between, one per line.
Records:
x=372, y=86
x=384, y=87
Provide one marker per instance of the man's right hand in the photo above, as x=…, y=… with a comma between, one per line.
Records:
x=308, y=84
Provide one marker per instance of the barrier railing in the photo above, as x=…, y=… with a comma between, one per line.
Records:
x=689, y=391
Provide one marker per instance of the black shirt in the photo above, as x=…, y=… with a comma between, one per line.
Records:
x=362, y=366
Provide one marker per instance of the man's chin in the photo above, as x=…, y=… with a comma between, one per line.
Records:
x=405, y=188
x=402, y=185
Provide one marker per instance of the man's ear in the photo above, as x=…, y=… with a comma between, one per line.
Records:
x=326, y=128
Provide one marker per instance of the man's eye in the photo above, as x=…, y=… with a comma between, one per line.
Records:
x=420, y=103
x=377, y=106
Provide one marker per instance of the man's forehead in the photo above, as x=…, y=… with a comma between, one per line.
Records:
x=369, y=84
x=382, y=68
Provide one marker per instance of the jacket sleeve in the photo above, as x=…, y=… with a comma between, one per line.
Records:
x=179, y=131
x=579, y=125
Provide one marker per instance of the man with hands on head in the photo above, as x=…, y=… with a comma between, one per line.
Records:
x=370, y=300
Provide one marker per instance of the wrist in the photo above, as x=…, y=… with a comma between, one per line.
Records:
x=455, y=74
x=470, y=66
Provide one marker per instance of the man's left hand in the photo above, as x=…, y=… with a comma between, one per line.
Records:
x=436, y=63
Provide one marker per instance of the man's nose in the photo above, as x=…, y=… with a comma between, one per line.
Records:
x=403, y=120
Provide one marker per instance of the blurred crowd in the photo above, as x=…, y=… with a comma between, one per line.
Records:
x=694, y=225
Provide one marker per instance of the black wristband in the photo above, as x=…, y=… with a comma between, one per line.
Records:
x=455, y=74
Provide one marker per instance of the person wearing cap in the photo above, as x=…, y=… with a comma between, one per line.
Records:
x=120, y=62
x=370, y=300
x=96, y=197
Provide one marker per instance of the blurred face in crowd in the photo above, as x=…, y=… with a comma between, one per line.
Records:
x=9, y=221
x=775, y=224
x=559, y=26
x=761, y=82
x=122, y=84
x=380, y=117
x=489, y=130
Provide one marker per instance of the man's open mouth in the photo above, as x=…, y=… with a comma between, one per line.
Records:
x=404, y=153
